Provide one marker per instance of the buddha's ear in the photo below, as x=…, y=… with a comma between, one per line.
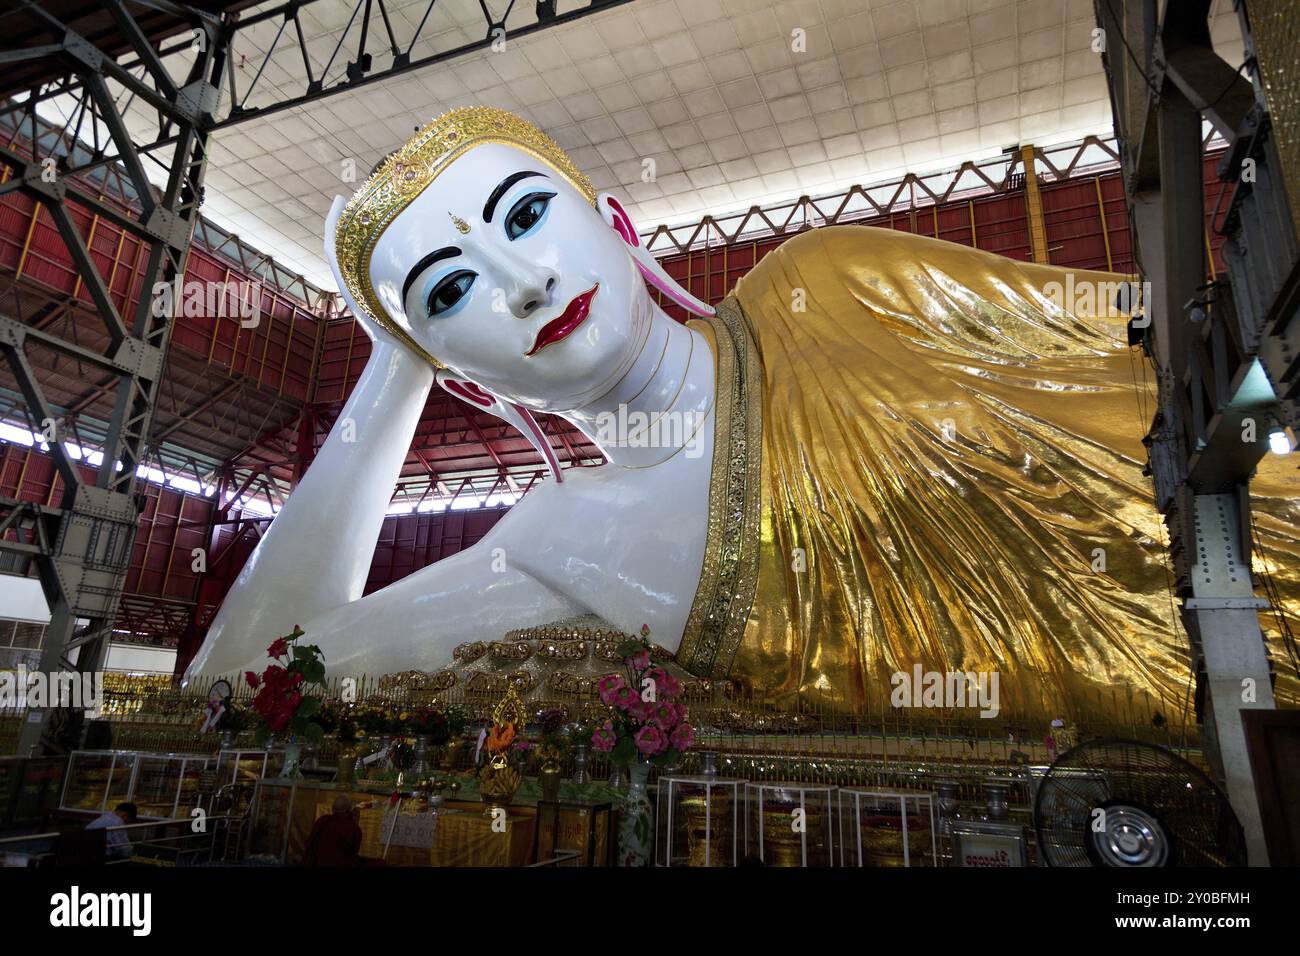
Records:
x=510, y=412
x=613, y=213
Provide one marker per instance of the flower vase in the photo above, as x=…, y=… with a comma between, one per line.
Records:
x=292, y=761
x=436, y=758
x=635, y=830
x=580, y=764
x=227, y=740
x=421, y=756
x=549, y=777
x=347, y=765
x=451, y=753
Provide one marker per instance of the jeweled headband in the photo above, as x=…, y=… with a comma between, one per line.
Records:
x=405, y=174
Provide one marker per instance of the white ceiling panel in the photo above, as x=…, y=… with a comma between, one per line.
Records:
x=718, y=93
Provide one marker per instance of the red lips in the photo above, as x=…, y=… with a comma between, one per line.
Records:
x=574, y=314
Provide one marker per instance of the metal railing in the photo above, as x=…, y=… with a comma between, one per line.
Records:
x=182, y=849
x=560, y=858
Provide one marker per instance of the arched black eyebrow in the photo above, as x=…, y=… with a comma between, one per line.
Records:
x=446, y=252
x=491, y=205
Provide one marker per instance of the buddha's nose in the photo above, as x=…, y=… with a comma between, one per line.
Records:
x=526, y=283
x=532, y=293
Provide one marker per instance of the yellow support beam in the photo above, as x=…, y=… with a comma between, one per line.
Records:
x=1105, y=229
x=1034, y=208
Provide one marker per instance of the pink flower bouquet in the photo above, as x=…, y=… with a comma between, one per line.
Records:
x=647, y=723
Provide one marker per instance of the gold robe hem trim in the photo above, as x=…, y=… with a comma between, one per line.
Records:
x=729, y=576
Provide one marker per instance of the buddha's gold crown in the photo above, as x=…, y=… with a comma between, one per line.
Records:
x=405, y=174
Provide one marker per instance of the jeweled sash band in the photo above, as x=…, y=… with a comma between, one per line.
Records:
x=729, y=577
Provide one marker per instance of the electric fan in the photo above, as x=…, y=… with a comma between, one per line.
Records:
x=1126, y=803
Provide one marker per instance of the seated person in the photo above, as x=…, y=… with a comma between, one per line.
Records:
x=118, y=841
x=335, y=839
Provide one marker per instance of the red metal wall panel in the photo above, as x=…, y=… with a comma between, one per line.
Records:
x=343, y=356
x=410, y=542
x=276, y=354
x=1086, y=221
x=172, y=524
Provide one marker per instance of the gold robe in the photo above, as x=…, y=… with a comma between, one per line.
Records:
x=920, y=460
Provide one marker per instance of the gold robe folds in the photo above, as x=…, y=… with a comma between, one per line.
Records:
x=921, y=459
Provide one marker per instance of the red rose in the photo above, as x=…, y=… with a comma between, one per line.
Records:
x=278, y=648
x=251, y=678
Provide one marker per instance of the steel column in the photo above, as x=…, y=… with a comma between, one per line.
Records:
x=1231, y=644
x=1164, y=78
x=82, y=547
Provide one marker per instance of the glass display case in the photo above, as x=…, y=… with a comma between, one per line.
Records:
x=271, y=818
x=790, y=824
x=697, y=821
x=241, y=766
x=160, y=785
x=96, y=777
x=886, y=827
x=568, y=825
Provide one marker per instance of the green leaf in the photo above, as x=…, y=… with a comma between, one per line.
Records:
x=629, y=647
x=314, y=732
x=624, y=751
x=666, y=758
x=314, y=672
x=308, y=706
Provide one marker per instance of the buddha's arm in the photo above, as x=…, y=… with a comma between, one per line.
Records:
x=318, y=550
x=416, y=623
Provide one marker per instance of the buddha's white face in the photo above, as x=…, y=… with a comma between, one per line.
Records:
x=538, y=302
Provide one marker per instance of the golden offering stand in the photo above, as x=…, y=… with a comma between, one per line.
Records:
x=431, y=791
x=698, y=821
x=500, y=778
x=883, y=827
x=790, y=824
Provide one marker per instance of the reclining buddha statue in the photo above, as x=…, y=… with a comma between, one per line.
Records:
x=890, y=451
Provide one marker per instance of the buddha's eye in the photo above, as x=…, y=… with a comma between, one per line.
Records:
x=527, y=214
x=450, y=291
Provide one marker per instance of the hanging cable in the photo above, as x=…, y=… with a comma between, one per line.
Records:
x=1131, y=55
